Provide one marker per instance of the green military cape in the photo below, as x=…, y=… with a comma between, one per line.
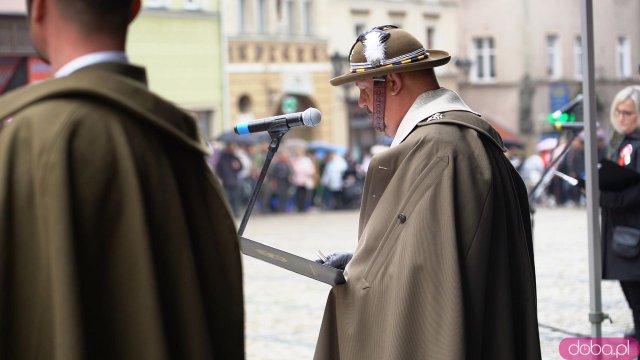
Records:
x=115, y=241
x=444, y=264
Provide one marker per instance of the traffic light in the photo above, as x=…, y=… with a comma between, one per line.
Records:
x=567, y=113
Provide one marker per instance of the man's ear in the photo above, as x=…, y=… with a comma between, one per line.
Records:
x=37, y=10
x=135, y=9
x=395, y=81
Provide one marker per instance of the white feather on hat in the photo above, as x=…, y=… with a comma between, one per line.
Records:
x=374, y=48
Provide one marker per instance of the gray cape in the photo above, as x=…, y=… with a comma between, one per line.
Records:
x=444, y=264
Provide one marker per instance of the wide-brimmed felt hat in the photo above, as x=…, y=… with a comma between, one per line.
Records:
x=388, y=49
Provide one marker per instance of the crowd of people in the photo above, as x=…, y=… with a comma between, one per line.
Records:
x=299, y=179
x=557, y=188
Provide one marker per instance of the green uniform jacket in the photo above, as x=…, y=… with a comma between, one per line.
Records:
x=444, y=264
x=115, y=242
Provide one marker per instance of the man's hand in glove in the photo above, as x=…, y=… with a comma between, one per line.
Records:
x=337, y=260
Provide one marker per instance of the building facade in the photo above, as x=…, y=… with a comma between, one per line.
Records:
x=236, y=60
x=286, y=51
x=277, y=63
x=521, y=60
x=179, y=42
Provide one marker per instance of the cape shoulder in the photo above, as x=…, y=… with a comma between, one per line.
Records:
x=469, y=120
x=121, y=92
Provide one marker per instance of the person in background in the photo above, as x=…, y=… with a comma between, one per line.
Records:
x=621, y=208
x=332, y=180
x=280, y=174
x=245, y=181
x=115, y=240
x=303, y=173
x=228, y=170
x=352, y=183
x=443, y=268
x=315, y=197
x=573, y=165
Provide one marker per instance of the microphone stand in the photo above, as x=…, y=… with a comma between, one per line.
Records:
x=277, y=132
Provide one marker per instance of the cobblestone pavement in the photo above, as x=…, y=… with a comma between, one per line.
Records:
x=284, y=309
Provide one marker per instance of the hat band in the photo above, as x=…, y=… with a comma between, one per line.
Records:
x=411, y=57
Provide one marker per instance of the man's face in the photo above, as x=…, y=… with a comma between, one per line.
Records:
x=627, y=116
x=366, y=94
x=365, y=101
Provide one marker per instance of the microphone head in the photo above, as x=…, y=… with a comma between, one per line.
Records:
x=311, y=117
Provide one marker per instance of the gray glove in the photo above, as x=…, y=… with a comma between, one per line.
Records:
x=337, y=260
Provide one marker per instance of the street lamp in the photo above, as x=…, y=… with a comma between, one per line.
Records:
x=337, y=62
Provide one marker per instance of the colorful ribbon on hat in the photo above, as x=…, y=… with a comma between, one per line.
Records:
x=412, y=57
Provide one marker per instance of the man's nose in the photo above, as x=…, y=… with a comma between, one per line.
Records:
x=362, y=100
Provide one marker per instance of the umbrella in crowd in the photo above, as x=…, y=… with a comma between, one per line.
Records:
x=323, y=146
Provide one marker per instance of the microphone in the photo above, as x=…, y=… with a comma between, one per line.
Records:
x=310, y=117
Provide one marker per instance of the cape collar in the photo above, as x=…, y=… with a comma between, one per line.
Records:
x=426, y=105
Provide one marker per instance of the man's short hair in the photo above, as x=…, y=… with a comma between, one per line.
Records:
x=97, y=16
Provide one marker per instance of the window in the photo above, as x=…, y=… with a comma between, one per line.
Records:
x=193, y=4
x=306, y=17
x=261, y=16
x=623, y=61
x=577, y=58
x=290, y=17
x=244, y=104
x=157, y=4
x=554, y=58
x=430, y=37
x=242, y=8
x=358, y=29
x=483, y=67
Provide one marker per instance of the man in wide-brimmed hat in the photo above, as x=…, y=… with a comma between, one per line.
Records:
x=444, y=264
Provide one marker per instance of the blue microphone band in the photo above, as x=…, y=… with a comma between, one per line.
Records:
x=242, y=129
